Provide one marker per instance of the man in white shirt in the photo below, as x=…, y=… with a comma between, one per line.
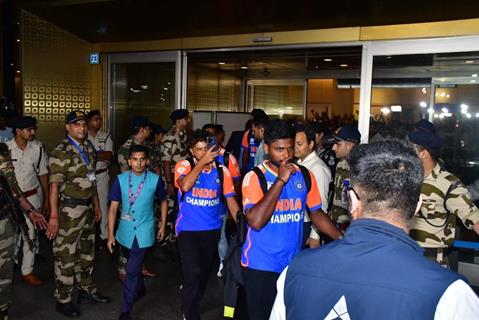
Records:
x=104, y=151
x=30, y=160
x=304, y=150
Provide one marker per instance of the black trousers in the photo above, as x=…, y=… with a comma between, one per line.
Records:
x=197, y=250
x=260, y=288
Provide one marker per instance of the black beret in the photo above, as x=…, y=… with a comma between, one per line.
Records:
x=74, y=116
x=427, y=139
x=24, y=122
x=157, y=129
x=179, y=114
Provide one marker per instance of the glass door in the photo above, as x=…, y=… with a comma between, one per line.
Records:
x=142, y=84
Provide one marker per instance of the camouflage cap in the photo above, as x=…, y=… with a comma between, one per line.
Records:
x=74, y=116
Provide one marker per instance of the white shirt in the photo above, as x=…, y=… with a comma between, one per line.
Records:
x=102, y=142
x=458, y=302
x=322, y=174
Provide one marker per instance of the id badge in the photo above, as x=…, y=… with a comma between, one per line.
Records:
x=91, y=176
x=126, y=217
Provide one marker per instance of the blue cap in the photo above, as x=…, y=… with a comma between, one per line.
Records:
x=74, y=116
x=347, y=132
x=424, y=138
x=141, y=122
x=423, y=124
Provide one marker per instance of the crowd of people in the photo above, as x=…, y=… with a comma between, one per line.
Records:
x=307, y=222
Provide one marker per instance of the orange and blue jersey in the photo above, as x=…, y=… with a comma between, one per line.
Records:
x=202, y=208
x=251, y=144
x=273, y=247
x=233, y=165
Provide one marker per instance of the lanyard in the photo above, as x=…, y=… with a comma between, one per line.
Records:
x=85, y=158
x=132, y=199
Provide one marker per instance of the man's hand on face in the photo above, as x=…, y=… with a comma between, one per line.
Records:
x=286, y=169
x=209, y=156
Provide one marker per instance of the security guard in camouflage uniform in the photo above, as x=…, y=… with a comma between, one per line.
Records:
x=154, y=145
x=74, y=208
x=174, y=149
x=444, y=199
x=8, y=230
x=345, y=139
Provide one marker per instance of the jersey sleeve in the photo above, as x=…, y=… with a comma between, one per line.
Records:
x=182, y=168
x=244, y=141
x=251, y=189
x=233, y=167
x=314, y=197
x=228, y=186
x=115, y=191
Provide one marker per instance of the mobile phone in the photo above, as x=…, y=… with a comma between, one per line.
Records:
x=212, y=141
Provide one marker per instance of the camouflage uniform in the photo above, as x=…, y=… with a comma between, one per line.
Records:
x=174, y=149
x=7, y=235
x=339, y=212
x=434, y=189
x=74, y=246
x=156, y=165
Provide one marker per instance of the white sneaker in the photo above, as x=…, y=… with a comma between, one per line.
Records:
x=220, y=271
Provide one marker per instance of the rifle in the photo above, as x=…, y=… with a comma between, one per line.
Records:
x=16, y=216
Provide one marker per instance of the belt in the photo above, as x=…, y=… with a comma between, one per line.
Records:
x=30, y=193
x=433, y=252
x=101, y=171
x=77, y=202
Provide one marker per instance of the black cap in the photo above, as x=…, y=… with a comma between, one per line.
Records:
x=74, y=116
x=423, y=124
x=141, y=122
x=424, y=138
x=347, y=132
x=24, y=122
x=157, y=129
x=259, y=113
x=179, y=114
x=93, y=113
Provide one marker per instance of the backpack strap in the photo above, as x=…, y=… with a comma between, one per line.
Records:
x=306, y=176
x=226, y=158
x=262, y=179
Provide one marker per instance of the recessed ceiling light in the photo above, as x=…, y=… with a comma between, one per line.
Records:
x=18, y=40
x=469, y=61
x=474, y=75
x=221, y=63
x=473, y=81
x=316, y=67
x=327, y=59
x=343, y=65
x=244, y=67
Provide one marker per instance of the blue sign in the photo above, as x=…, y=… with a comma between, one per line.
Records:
x=94, y=58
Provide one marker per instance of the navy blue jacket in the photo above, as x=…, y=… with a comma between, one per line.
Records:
x=378, y=269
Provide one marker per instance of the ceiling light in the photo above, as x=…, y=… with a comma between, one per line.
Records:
x=18, y=71
x=469, y=116
x=473, y=81
x=396, y=108
x=165, y=88
x=385, y=110
x=464, y=106
x=343, y=65
x=436, y=115
x=327, y=59
x=18, y=40
x=448, y=96
x=423, y=104
x=430, y=110
x=244, y=67
x=424, y=90
x=221, y=63
x=445, y=110
x=316, y=67
x=474, y=75
x=469, y=61
x=443, y=94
